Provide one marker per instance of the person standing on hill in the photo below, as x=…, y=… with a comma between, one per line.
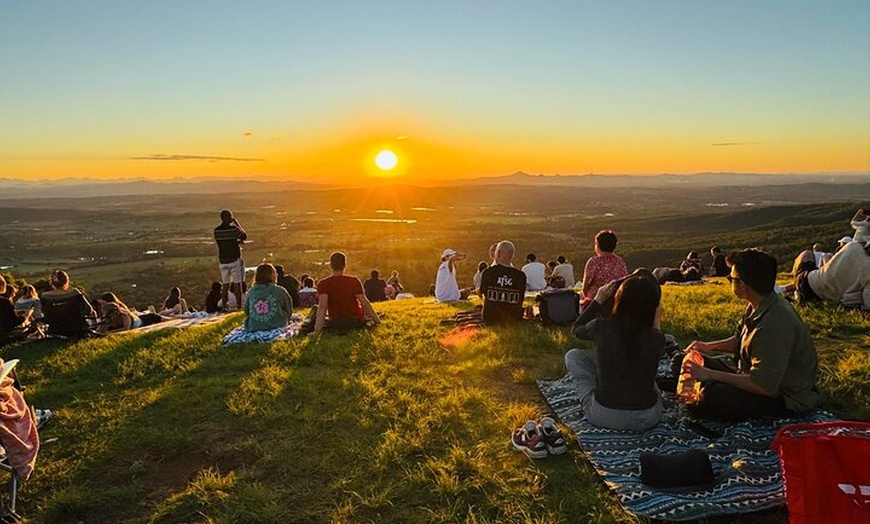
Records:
x=229, y=237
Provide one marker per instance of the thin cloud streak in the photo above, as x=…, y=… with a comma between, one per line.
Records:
x=197, y=157
x=728, y=144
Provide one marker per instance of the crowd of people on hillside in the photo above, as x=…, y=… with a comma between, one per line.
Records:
x=769, y=365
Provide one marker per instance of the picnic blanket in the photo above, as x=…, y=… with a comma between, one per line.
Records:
x=182, y=322
x=747, y=471
x=240, y=336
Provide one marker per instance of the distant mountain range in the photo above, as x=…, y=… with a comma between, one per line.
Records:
x=12, y=188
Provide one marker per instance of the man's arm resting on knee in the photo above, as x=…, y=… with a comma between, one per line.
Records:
x=320, y=321
x=368, y=309
x=738, y=380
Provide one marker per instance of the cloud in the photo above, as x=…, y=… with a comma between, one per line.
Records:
x=724, y=144
x=196, y=157
x=247, y=133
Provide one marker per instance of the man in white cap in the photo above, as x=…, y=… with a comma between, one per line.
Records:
x=446, y=286
x=843, y=241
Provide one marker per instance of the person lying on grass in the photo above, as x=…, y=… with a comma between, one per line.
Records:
x=341, y=297
x=618, y=391
x=267, y=305
x=774, y=366
x=115, y=314
x=844, y=279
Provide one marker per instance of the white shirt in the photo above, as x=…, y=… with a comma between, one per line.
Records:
x=848, y=271
x=565, y=271
x=535, y=279
x=446, y=288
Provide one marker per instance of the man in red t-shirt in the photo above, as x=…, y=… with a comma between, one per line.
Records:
x=342, y=298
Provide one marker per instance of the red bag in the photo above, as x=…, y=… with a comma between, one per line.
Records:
x=826, y=471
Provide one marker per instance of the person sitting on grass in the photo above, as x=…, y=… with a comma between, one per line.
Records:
x=267, y=306
x=774, y=366
x=475, y=280
x=13, y=325
x=288, y=282
x=375, y=287
x=618, y=391
x=503, y=288
x=603, y=267
x=565, y=270
x=213, y=298
x=341, y=298
x=719, y=266
x=29, y=301
x=69, y=307
x=174, y=305
x=394, y=281
x=691, y=261
x=861, y=223
x=536, y=279
x=446, y=286
x=308, y=293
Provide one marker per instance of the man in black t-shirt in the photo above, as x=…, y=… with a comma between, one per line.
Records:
x=503, y=287
x=375, y=287
x=229, y=237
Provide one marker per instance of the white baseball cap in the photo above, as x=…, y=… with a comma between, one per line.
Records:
x=845, y=240
x=450, y=252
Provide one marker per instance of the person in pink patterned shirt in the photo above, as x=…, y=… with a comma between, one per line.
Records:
x=603, y=267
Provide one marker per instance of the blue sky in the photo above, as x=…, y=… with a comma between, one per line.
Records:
x=563, y=86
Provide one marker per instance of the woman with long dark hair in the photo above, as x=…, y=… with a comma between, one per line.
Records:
x=175, y=304
x=617, y=390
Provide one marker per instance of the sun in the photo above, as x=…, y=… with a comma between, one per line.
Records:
x=386, y=160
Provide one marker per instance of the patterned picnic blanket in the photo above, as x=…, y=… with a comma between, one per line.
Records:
x=204, y=319
x=240, y=336
x=747, y=470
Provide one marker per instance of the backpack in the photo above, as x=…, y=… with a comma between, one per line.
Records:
x=558, y=307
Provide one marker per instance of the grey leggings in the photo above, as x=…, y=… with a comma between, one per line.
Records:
x=584, y=370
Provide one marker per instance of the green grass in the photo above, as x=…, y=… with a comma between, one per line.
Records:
x=405, y=423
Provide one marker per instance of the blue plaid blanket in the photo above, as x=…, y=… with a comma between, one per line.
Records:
x=747, y=470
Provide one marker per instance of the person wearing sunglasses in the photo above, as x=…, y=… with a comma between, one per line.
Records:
x=773, y=369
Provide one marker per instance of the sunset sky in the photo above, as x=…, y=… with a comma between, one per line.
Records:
x=313, y=90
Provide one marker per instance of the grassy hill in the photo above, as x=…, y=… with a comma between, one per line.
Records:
x=405, y=423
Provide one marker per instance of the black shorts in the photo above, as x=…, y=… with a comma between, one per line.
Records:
x=805, y=293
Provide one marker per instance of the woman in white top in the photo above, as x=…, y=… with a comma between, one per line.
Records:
x=446, y=287
x=861, y=223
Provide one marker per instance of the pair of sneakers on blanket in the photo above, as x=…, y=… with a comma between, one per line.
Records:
x=539, y=440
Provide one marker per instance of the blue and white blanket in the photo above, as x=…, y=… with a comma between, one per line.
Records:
x=240, y=336
x=747, y=471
